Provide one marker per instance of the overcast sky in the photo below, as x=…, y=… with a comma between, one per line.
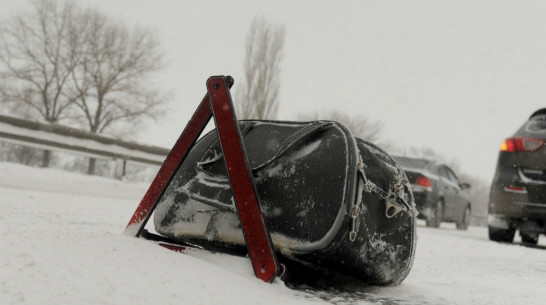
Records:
x=455, y=76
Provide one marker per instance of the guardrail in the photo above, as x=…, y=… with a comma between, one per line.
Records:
x=63, y=138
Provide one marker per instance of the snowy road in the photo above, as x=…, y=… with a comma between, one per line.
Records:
x=60, y=243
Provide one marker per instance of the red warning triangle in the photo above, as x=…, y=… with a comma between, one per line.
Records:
x=217, y=103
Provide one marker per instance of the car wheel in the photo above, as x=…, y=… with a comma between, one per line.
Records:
x=501, y=235
x=529, y=238
x=465, y=220
x=435, y=218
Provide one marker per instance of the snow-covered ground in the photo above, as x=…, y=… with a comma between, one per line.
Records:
x=61, y=243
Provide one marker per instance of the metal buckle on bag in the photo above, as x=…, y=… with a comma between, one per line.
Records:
x=367, y=186
x=354, y=214
x=398, y=203
x=398, y=186
x=392, y=208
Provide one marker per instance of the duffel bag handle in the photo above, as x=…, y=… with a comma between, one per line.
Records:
x=285, y=145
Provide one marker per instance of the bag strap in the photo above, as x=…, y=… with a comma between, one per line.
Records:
x=285, y=145
x=201, y=164
x=293, y=139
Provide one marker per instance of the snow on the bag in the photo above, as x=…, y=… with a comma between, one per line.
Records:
x=61, y=243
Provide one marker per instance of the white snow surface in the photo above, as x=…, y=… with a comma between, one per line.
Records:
x=61, y=243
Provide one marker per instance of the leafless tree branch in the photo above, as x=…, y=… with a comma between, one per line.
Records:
x=258, y=98
x=61, y=62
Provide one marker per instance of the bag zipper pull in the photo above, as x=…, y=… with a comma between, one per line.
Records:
x=354, y=214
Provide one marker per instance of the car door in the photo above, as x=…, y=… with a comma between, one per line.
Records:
x=450, y=193
x=457, y=202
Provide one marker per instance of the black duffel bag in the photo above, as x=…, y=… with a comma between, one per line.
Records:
x=328, y=199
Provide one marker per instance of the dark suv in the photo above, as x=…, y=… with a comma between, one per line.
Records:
x=518, y=193
x=438, y=194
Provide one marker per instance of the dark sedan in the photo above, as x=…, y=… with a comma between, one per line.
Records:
x=439, y=195
x=518, y=193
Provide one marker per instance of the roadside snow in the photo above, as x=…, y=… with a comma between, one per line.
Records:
x=57, y=181
x=61, y=243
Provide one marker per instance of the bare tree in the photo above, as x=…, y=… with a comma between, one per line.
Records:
x=108, y=84
x=258, y=98
x=37, y=57
x=59, y=62
x=359, y=126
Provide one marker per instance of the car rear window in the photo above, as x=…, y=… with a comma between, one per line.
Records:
x=536, y=125
x=412, y=163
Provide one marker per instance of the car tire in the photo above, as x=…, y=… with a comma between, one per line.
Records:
x=529, y=238
x=435, y=219
x=501, y=235
x=465, y=220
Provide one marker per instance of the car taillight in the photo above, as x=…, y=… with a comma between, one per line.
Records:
x=515, y=189
x=424, y=182
x=521, y=144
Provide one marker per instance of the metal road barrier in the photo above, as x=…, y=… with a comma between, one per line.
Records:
x=62, y=138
